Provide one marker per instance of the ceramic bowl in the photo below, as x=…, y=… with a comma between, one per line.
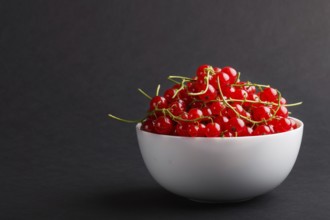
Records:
x=220, y=169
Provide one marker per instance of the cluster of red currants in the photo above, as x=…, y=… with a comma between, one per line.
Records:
x=215, y=103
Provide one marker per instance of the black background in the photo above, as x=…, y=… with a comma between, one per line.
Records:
x=65, y=64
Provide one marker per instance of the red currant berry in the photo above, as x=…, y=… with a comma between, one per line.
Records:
x=269, y=94
x=212, y=130
x=177, y=107
x=193, y=130
x=229, y=92
x=164, y=125
x=223, y=79
x=209, y=95
x=261, y=113
x=197, y=104
x=238, y=108
x=282, y=125
x=282, y=101
x=195, y=113
x=293, y=123
x=217, y=108
x=228, y=134
x=262, y=130
x=202, y=130
x=181, y=129
x=282, y=111
x=148, y=125
x=168, y=94
x=206, y=111
x=222, y=121
x=249, y=131
x=240, y=94
x=201, y=70
x=232, y=73
x=216, y=70
x=158, y=102
x=237, y=126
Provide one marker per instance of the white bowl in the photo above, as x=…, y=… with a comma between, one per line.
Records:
x=220, y=169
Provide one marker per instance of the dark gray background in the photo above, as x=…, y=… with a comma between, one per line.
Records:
x=64, y=65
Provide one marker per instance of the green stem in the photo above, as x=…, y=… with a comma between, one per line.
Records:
x=124, y=120
x=176, y=82
x=157, y=90
x=144, y=93
x=179, y=77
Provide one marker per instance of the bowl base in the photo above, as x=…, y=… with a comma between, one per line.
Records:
x=220, y=201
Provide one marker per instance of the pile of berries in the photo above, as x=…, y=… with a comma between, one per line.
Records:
x=215, y=103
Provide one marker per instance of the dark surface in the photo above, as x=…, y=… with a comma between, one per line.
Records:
x=65, y=65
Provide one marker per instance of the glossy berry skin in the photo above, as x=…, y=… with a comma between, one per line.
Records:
x=222, y=121
x=148, y=125
x=212, y=130
x=216, y=70
x=195, y=113
x=293, y=123
x=207, y=111
x=217, y=108
x=201, y=130
x=164, y=125
x=193, y=130
x=177, y=107
x=181, y=129
x=269, y=95
x=261, y=113
x=232, y=73
x=282, y=112
x=237, y=126
x=223, y=79
x=158, y=102
x=282, y=125
x=262, y=130
x=168, y=94
x=210, y=93
x=201, y=70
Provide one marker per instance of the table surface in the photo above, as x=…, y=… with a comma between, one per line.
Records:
x=64, y=66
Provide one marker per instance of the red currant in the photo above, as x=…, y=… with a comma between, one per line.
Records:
x=164, y=125
x=232, y=73
x=148, y=125
x=210, y=93
x=201, y=70
x=269, y=94
x=212, y=130
x=262, y=130
x=193, y=130
x=237, y=126
x=158, y=102
x=168, y=94
x=282, y=111
x=217, y=108
x=261, y=113
x=177, y=107
x=282, y=125
x=195, y=113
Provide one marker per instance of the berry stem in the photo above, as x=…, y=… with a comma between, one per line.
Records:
x=125, y=120
x=179, y=77
x=172, y=80
x=157, y=90
x=144, y=93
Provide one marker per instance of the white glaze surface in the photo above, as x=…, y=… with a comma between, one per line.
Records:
x=220, y=169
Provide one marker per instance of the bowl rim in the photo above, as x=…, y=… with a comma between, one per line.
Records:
x=299, y=122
